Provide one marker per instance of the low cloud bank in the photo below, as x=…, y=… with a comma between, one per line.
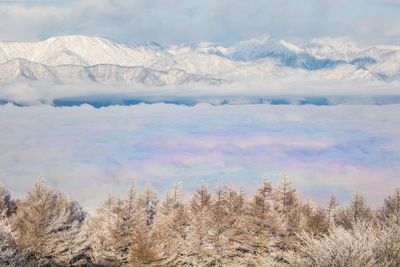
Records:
x=266, y=91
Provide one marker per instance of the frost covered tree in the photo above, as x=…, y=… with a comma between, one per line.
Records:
x=229, y=231
x=263, y=200
x=111, y=229
x=391, y=209
x=105, y=227
x=318, y=222
x=172, y=201
x=264, y=219
x=306, y=213
x=148, y=202
x=289, y=204
x=173, y=231
x=122, y=229
x=217, y=232
x=199, y=250
x=220, y=230
x=332, y=207
x=144, y=248
x=50, y=227
x=172, y=226
x=145, y=245
x=7, y=204
x=225, y=228
x=201, y=200
x=357, y=211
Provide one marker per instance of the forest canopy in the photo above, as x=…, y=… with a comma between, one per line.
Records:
x=223, y=227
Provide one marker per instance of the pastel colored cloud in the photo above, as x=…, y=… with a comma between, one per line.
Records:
x=90, y=152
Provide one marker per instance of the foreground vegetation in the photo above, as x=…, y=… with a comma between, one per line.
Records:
x=224, y=228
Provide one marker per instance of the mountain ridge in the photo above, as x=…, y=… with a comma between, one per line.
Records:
x=212, y=63
x=102, y=73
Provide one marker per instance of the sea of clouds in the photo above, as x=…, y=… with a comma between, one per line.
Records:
x=89, y=152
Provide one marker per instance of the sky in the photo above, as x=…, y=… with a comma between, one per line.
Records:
x=193, y=21
x=89, y=153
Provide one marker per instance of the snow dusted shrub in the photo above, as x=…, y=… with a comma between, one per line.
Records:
x=8, y=254
x=363, y=245
x=388, y=253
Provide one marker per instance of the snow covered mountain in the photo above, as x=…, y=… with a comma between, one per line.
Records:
x=22, y=69
x=80, y=50
x=74, y=59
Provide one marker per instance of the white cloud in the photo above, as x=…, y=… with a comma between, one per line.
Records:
x=24, y=23
x=33, y=93
x=174, y=21
x=392, y=3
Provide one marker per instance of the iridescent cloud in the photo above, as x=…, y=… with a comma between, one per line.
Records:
x=89, y=152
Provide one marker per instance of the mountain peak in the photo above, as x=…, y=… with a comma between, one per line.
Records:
x=78, y=40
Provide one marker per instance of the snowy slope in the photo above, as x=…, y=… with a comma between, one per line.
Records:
x=74, y=59
x=81, y=50
x=22, y=69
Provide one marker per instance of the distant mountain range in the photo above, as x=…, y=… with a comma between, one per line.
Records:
x=76, y=59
